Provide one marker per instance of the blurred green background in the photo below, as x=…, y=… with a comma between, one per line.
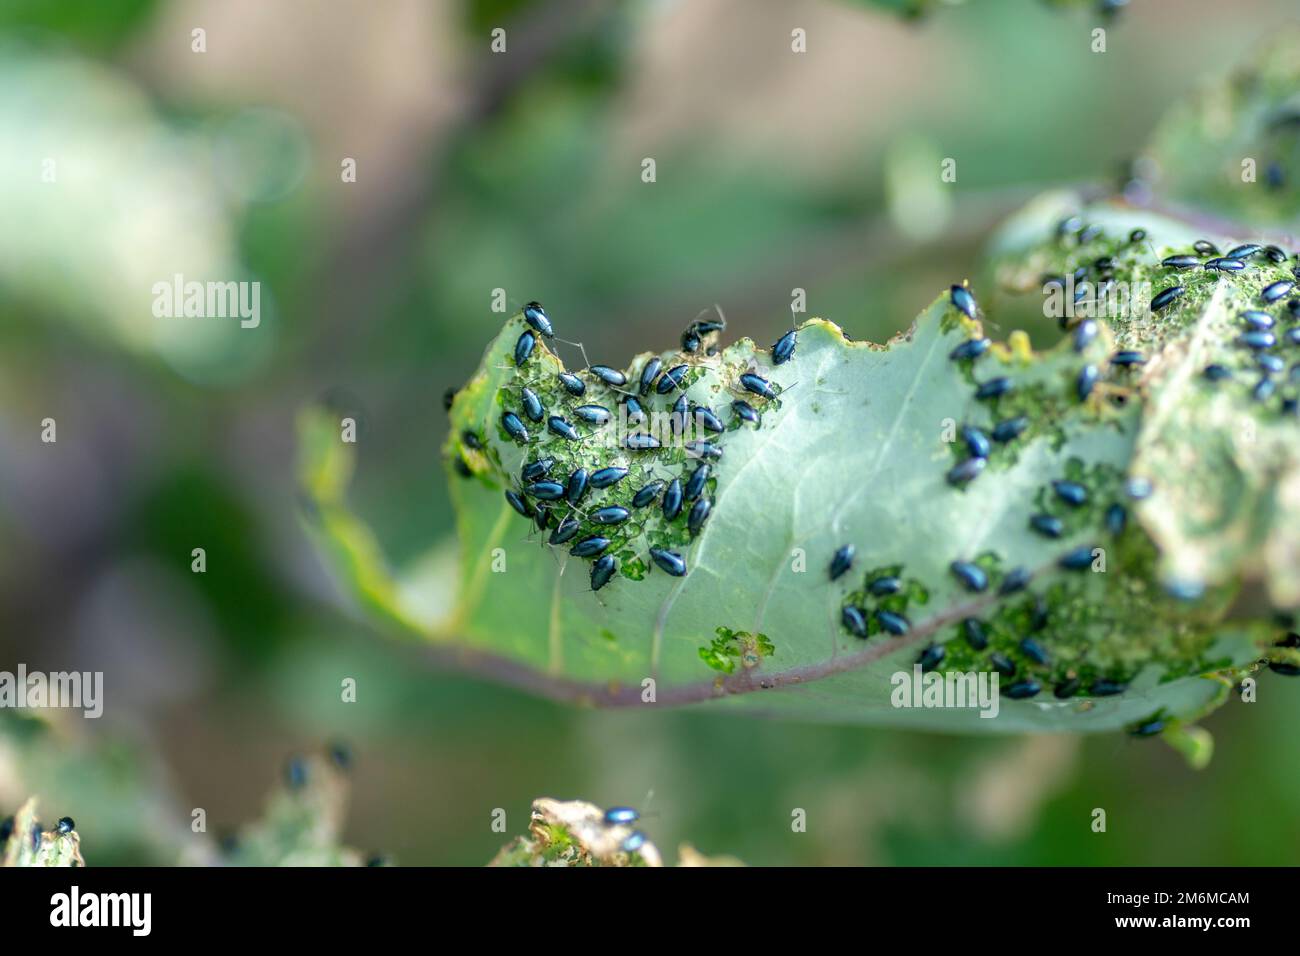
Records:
x=519, y=171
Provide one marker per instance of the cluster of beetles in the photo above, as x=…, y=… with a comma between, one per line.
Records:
x=587, y=509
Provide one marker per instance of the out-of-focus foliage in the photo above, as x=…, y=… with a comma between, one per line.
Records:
x=303, y=820
x=116, y=793
x=131, y=808
x=1234, y=149
x=79, y=132
x=24, y=842
x=96, y=25
x=576, y=833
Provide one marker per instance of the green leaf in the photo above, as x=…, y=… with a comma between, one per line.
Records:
x=853, y=450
